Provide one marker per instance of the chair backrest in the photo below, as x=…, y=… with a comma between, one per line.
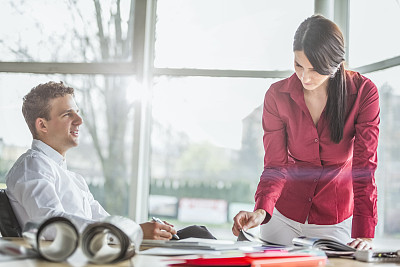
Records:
x=9, y=226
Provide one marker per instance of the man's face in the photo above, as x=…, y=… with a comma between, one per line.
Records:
x=63, y=127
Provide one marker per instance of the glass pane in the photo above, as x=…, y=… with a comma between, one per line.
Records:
x=373, y=31
x=65, y=31
x=228, y=34
x=104, y=153
x=207, y=151
x=388, y=174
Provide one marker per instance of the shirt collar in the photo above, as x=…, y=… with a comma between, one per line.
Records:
x=49, y=151
x=292, y=81
x=353, y=80
x=293, y=86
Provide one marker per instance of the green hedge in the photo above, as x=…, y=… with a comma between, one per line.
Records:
x=235, y=191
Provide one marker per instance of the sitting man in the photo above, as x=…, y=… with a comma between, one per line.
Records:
x=39, y=184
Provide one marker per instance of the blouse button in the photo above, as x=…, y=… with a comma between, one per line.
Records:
x=309, y=199
x=315, y=180
x=316, y=140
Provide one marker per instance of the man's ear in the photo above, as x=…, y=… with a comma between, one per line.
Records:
x=41, y=126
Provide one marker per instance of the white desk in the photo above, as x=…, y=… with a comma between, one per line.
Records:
x=78, y=260
x=156, y=261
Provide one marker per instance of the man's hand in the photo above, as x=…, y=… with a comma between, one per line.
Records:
x=361, y=243
x=246, y=220
x=155, y=230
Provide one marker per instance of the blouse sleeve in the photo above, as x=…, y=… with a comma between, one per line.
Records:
x=272, y=179
x=365, y=162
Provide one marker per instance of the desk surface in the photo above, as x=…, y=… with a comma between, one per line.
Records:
x=78, y=260
x=156, y=261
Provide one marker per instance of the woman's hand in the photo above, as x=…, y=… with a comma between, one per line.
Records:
x=155, y=230
x=361, y=243
x=246, y=220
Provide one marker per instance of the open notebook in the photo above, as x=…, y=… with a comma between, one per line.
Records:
x=332, y=248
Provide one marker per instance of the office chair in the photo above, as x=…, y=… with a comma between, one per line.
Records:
x=9, y=226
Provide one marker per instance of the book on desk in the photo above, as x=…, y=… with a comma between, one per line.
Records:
x=332, y=248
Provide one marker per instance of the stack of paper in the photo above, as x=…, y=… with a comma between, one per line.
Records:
x=195, y=246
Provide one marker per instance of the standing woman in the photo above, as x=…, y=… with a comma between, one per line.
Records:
x=321, y=128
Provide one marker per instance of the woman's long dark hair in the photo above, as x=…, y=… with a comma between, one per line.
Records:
x=322, y=42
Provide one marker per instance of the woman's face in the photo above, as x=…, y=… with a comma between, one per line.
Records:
x=310, y=79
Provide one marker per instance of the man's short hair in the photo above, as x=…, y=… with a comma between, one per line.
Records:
x=36, y=102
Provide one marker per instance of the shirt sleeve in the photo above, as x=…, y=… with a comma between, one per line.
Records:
x=34, y=189
x=272, y=179
x=365, y=162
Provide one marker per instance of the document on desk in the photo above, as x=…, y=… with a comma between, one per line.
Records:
x=195, y=246
x=10, y=251
x=177, y=252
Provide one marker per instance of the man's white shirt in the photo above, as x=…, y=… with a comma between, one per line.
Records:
x=39, y=186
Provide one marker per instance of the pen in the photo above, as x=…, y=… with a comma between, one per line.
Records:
x=159, y=221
